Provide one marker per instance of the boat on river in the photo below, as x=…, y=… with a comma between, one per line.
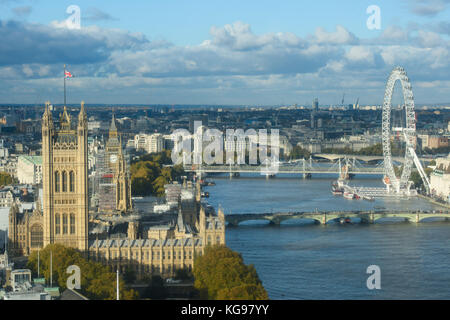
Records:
x=349, y=195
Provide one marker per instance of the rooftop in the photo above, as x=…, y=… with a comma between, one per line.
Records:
x=35, y=160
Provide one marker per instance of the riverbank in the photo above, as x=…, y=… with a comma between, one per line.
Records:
x=431, y=200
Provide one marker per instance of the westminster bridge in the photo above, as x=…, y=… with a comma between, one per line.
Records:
x=234, y=220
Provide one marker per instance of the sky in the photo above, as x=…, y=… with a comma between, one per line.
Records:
x=221, y=52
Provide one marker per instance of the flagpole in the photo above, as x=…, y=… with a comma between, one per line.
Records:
x=64, y=85
x=117, y=284
x=51, y=270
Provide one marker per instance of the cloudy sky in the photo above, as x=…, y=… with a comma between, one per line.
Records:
x=221, y=52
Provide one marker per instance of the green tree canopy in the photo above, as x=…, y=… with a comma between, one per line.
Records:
x=6, y=179
x=148, y=174
x=97, y=281
x=373, y=150
x=220, y=273
x=299, y=153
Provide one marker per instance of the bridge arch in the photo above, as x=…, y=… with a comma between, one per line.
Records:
x=294, y=220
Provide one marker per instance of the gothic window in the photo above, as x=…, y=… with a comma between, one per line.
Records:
x=57, y=181
x=57, y=223
x=119, y=192
x=72, y=181
x=37, y=236
x=64, y=223
x=64, y=181
x=72, y=223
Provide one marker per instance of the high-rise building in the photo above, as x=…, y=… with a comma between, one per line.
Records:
x=315, y=105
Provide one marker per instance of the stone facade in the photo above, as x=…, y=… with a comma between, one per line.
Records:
x=26, y=232
x=115, y=161
x=165, y=253
x=440, y=179
x=65, y=180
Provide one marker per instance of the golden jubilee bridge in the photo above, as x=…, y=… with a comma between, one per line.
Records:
x=337, y=165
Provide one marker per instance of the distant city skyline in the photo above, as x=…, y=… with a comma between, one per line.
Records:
x=216, y=53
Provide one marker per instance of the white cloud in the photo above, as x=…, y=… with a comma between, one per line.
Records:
x=428, y=8
x=429, y=39
x=340, y=36
x=360, y=53
x=238, y=36
x=27, y=70
x=234, y=65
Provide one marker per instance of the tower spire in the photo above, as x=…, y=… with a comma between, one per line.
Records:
x=65, y=120
x=47, y=117
x=82, y=117
x=113, y=128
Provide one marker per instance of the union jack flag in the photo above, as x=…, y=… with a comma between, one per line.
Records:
x=67, y=74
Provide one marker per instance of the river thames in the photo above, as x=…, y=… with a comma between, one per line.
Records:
x=300, y=260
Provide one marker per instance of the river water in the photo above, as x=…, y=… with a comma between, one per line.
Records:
x=300, y=260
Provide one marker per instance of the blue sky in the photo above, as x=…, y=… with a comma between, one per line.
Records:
x=222, y=52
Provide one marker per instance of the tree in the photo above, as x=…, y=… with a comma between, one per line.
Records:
x=148, y=175
x=155, y=289
x=129, y=275
x=299, y=153
x=97, y=281
x=183, y=274
x=221, y=274
x=417, y=179
x=243, y=292
x=6, y=179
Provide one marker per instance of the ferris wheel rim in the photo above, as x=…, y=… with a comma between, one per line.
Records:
x=398, y=74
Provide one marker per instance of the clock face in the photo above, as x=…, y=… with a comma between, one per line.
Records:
x=113, y=158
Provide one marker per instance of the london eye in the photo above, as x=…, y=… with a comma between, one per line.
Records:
x=407, y=131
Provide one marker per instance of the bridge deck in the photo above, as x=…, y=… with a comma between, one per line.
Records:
x=281, y=169
x=324, y=217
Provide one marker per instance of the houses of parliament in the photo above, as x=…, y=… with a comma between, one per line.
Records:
x=147, y=245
